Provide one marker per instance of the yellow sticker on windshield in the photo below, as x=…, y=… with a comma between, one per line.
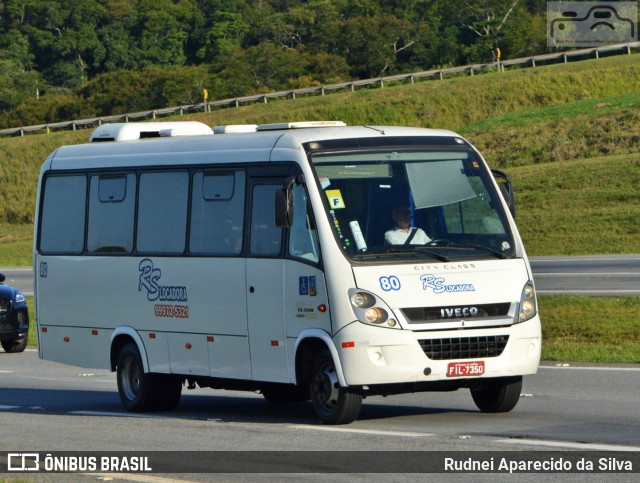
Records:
x=335, y=199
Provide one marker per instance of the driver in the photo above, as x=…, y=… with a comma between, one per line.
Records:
x=403, y=233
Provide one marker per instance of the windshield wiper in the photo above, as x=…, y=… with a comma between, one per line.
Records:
x=495, y=253
x=417, y=249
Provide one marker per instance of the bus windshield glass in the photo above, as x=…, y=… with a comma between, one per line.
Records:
x=437, y=203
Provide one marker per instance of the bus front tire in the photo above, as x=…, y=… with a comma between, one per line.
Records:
x=498, y=396
x=140, y=391
x=332, y=404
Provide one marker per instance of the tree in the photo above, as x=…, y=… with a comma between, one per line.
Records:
x=164, y=27
x=150, y=88
x=268, y=67
x=485, y=19
x=18, y=80
x=223, y=37
x=116, y=54
x=64, y=39
x=371, y=45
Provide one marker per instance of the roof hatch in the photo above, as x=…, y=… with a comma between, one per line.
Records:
x=299, y=125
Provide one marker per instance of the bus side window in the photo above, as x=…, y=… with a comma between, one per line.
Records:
x=111, y=213
x=303, y=238
x=162, y=212
x=217, y=216
x=63, y=214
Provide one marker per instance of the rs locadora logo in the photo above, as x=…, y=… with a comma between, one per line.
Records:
x=149, y=277
x=437, y=284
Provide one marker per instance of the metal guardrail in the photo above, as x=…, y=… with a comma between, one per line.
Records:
x=440, y=74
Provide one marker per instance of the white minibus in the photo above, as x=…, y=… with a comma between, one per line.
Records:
x=305, y=261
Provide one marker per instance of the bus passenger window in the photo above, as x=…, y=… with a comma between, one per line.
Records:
x=111, y=213
x=217, y=215
x=162, y=212
x=63, y=213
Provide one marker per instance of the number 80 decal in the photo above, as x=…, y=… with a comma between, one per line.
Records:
x=389, y=283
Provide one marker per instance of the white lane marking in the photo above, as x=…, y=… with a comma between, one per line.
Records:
x=406, y=434
x=612, y=291
x=570, y=444
x=583, y=259
x=580, y=274
x=135, y=477
x=7, y=372
x=118, y=414
x=585, y=368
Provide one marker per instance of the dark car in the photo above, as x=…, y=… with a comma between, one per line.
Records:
x=14, y=318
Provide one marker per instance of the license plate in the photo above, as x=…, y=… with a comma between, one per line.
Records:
x=465, y=369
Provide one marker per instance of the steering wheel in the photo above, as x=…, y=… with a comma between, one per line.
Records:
x=444, y=242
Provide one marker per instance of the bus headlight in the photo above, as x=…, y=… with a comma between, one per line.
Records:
x=362, y=300
x=528, y=306
x=376, y=315
x=369, y=309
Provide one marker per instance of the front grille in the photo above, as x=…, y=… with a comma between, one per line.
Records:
x=5, y=305
x=464, y=347
x=422, y=315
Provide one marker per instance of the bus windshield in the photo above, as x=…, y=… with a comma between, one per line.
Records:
x=437, y=203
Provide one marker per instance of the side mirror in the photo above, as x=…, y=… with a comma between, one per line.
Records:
x=284, y=202
x=284, y=208
x=2, y=279
x=506, y=189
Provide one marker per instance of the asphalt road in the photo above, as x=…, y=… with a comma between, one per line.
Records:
x=48, y=407
x=602, y=275
x=596, y=275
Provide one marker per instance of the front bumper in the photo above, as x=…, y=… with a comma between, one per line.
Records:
x=372, y=356
x=15, y=324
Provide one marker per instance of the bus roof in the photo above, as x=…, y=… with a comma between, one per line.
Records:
x=173, y=146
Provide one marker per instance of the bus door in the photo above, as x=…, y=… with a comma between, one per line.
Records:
x=265, y=285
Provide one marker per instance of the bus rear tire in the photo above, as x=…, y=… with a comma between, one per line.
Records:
x=332, y=404
x=140, y=391
x=498, y=396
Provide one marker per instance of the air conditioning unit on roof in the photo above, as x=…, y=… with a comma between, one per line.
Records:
x=129, y=131
x=234, y=128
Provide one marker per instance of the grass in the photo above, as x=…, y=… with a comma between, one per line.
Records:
x=569, y=136
x=590, y=329
x=33, y=336
x=576, y=130
x=579, y=207
x=16, y=245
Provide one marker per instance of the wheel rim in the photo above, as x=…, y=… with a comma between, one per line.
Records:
x=325, y=387
x=130, y=378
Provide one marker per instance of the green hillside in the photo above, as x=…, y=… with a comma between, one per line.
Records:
x=569, y=135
